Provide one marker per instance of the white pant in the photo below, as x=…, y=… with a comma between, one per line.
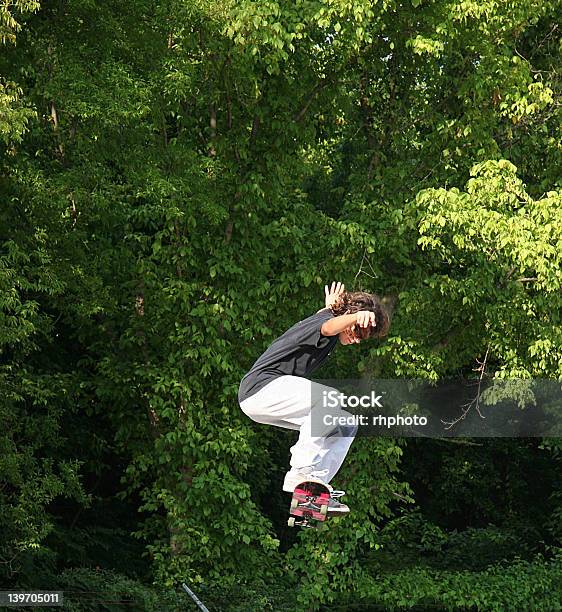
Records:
x=287, y=402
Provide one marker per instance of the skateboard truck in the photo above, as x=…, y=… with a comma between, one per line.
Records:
x=292, y=522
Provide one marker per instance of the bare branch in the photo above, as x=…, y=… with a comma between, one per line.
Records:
x=401, y=497
x=475, y=401
x=361, y=271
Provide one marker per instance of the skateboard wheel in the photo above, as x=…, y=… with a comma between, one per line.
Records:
x=294, y=504
x=324, y=510
x=291, y=521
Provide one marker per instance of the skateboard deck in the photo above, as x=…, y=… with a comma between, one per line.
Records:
x=309, y=505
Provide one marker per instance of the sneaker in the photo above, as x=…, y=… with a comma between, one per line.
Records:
x=336, y=507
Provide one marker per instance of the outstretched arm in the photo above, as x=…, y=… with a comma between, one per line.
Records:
x=363, y=318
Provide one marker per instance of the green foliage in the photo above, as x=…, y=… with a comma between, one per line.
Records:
x=14, y=113
x=180, y=182
x=529, y=585
x=9, y=26
x=13, y=116
x=88, y=590
x=503, y=271
x=92, y=589
x=36, y=400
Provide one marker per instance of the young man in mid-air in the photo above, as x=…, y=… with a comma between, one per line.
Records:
x=277, y=391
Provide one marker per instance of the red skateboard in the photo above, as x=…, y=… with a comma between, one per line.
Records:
x=309, y=504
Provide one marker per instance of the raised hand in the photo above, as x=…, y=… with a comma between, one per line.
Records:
x=333, y=293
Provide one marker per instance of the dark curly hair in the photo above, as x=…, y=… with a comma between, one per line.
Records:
x=353, y=301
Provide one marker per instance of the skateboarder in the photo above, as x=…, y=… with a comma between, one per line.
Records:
x=276, y=390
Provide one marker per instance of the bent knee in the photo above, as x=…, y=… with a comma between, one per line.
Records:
x=251, y=411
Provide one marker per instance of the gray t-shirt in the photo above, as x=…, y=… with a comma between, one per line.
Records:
x=299, y=351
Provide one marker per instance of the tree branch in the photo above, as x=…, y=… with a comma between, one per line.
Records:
x=476, y=401
x=310, y=97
